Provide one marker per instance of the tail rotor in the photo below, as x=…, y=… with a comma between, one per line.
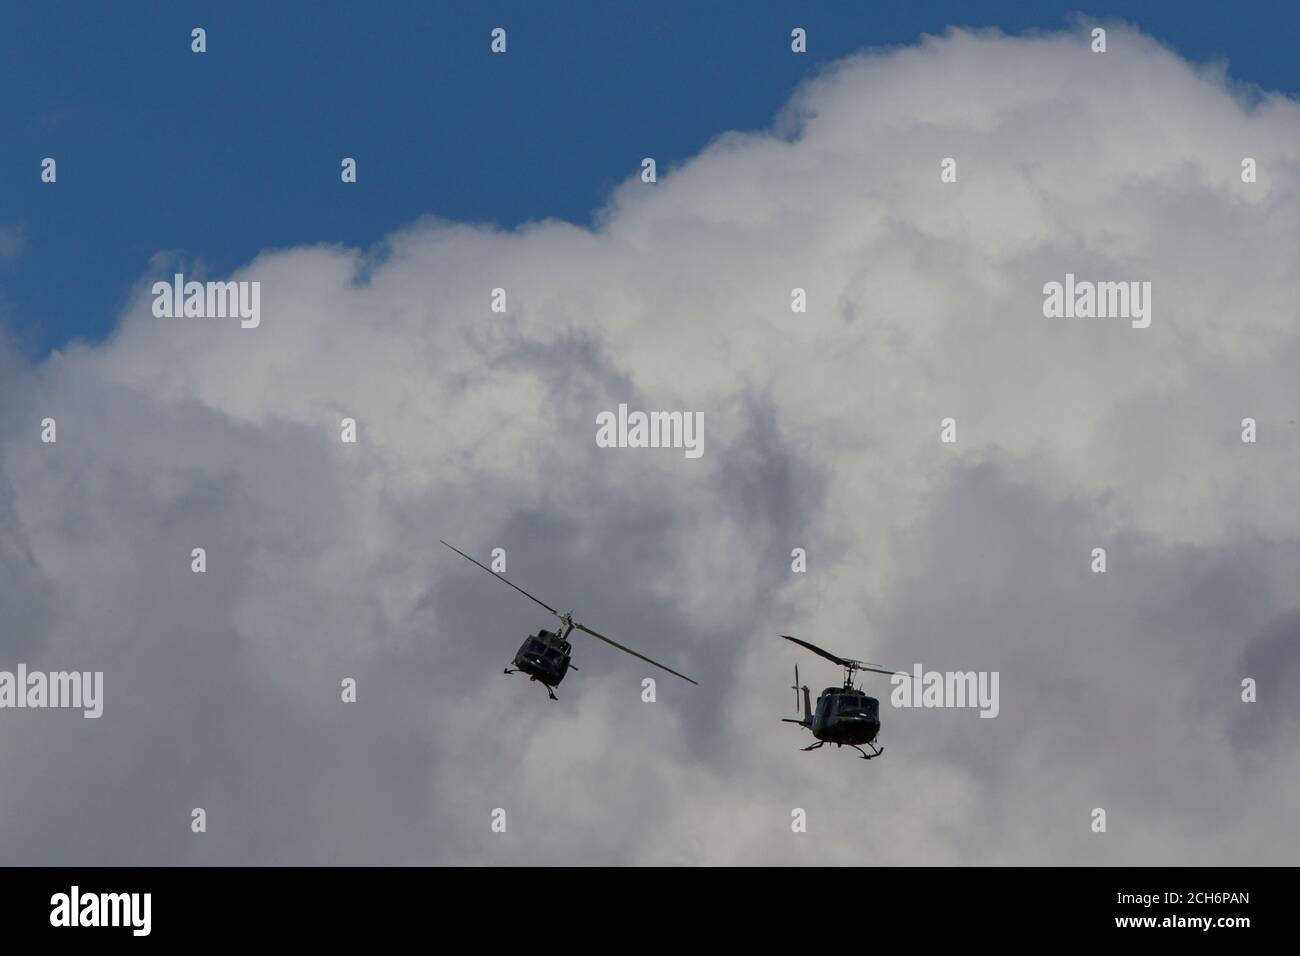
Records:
x=805, y=716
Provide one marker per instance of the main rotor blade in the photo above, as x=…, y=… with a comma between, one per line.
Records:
x=503, y=580
x=842, y=661
x=584, y=628
x=817, y=650
x=875, y=670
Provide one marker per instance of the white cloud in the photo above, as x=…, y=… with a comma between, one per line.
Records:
x=821, y=431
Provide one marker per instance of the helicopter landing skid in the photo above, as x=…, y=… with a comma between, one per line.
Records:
x=877, y=751
x=549, y=691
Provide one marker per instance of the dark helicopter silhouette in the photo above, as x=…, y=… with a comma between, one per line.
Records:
x=545, y=656
x=845, y=716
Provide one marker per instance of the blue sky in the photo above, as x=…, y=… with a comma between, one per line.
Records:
x=216, y=157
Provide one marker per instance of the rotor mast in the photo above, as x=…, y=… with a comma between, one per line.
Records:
x=850, y=668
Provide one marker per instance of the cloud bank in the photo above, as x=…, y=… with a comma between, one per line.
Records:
x=1119, y=690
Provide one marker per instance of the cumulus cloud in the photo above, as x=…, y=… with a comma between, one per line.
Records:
x=821, y=431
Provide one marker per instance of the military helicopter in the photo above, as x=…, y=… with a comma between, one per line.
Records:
x=844, y=715
x=545, y=656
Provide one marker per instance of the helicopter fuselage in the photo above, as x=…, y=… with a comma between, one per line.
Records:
x=544, y=657
x=846, y=716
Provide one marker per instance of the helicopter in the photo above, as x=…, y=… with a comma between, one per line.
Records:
x=545, y=657
x=845, y=716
